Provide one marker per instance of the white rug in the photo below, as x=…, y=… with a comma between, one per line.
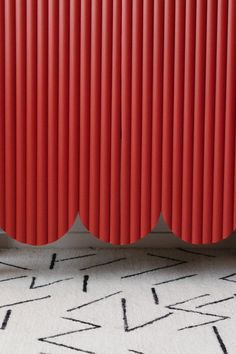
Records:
x=117, y=301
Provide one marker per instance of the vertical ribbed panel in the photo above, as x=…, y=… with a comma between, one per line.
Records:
x=31, y=127
x=105, y=144
x=2, y=114
x=122, y=109
x=220, y=110
x=157, y=109
x=167, y=83
x=116, y=124
x=63, y=114
x=168, y=107
x=209, y=126
x=20, y=119
x=189, y=80
x=229, y=192
x=136, y=114
x=10, y=117
x=53, y=82
x=74, y=110
x=42, y=113
x=203, y=121
x=126, y=77
x=95, y=111
x=147, y=85
x=199, y=118
x=85, y=117
x=38, y=118
x=120, y=136
x=178, y=112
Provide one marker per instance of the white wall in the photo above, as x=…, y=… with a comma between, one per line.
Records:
x=79, y=237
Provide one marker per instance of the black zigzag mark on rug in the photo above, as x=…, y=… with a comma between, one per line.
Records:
x=14, y=266
x=54, y=259
x=176, y=263
x=104, y=264
x=195, y=253
x=227, y=278
x=92, y=327
x=219, y=317
x=155, y=297
x=6, y=319
x=135, y=351
x=94, y=301
x=216, y=302
x=125, y=319
x=33, y=286
x=85, y=283
x=220, y=340
x=176, y=279
x=26, y=301
x=64, y=345
x=14, y=278
x=168, y=258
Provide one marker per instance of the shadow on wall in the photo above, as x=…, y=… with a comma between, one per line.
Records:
x=79, y=237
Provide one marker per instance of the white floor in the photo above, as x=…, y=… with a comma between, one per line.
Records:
x=94, y=301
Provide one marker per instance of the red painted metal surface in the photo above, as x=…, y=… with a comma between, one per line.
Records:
x=119, y=110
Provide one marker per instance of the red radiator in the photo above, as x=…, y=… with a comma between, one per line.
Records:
x=121, y=110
